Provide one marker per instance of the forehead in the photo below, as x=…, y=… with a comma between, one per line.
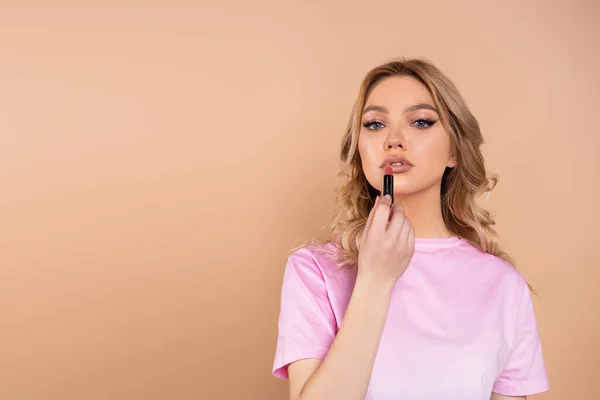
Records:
x=399, y=91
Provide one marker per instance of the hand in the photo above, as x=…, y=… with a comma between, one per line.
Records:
x=385, y=250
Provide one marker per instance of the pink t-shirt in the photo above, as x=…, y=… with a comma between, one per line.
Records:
x=460, y=325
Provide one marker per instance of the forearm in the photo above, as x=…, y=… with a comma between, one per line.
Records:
x=345, y=372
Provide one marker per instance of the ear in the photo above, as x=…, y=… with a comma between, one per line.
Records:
x=451, y=162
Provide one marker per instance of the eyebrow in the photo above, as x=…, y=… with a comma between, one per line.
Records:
x=413, y=107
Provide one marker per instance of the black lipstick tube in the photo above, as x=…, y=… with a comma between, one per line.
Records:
x=388, y=185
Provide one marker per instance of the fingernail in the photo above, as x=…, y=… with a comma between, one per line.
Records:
x=387, y=197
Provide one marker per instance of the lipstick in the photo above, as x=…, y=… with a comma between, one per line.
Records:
x=388, y=182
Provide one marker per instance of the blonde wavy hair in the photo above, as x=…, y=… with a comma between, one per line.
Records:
x=461, y=185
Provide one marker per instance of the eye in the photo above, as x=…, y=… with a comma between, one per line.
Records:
x=424, y=123
x=373, y=125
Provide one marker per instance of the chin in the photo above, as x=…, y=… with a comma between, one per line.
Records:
x=410, y=190
x=398, y=193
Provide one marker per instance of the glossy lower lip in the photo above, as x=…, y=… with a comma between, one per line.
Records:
x=400, y=168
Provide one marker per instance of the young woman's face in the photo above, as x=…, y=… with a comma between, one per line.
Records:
x=400, y=120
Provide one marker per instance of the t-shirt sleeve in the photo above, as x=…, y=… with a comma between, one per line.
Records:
x=306, y=327
x=524, y=372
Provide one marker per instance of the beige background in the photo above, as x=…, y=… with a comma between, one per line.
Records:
x=158, y=160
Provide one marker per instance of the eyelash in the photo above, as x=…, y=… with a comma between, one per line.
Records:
x=429, y=123
x=369, y=124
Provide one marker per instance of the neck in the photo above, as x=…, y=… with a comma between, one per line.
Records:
x=424, y=210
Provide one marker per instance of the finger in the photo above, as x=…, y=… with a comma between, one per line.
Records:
x=381, y=214
x=411, y=237
x=397, y=222
x=405, y=233
x=371, y=213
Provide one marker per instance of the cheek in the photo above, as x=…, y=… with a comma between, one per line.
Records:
x=435, y=150
x=370, y=155
x=368, y=148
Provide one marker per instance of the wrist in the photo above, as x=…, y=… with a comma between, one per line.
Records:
x=373, y=288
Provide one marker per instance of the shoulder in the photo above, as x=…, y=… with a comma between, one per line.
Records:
x=505, y=275
x=317, y=257
x=319, y=261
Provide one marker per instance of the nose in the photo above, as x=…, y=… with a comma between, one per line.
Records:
x=394, y=140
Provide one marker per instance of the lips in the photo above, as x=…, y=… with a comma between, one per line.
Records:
x=397, y=163
x=400, y=167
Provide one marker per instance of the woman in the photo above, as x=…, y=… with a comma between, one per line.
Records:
x=411, y=298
